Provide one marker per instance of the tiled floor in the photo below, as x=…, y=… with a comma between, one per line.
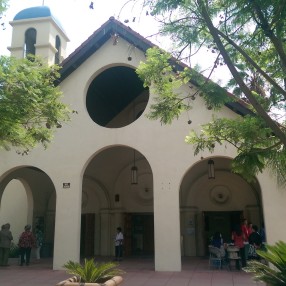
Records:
x=139, y=272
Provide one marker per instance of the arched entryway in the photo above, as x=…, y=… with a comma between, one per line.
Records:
x=215, y=204
x=109, y=200
x=30, y=198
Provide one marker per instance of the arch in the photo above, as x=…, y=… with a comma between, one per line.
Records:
x=41, y=196
x=101, y=198
x=109, y=147
x=109, y=199
x=58, y=48
x=214, y=204
x=30, y=42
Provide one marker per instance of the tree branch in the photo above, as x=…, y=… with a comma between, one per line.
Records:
x=268, y=31
x=253, y=63
x=273, y=125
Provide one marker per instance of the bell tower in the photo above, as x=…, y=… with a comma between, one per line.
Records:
x=37, y=32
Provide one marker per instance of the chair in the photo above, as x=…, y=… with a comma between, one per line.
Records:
x=215, y=258
x=233, y=255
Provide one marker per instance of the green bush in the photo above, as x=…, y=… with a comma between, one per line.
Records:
x=273, y=273
x=91, y=272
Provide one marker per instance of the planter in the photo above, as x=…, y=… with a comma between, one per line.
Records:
x=115, y=281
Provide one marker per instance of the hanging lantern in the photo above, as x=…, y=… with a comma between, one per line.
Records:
x=134, y=172
x=211, y=169
x=134, y=175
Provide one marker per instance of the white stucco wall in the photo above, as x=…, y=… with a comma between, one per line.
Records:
x=168, y=156
x=274, y=199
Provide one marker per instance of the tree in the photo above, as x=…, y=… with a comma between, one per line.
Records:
x=249, y=38
x=30, y=105
x=3, y=6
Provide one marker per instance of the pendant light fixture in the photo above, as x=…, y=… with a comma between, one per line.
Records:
x=134, y=172
x=211, y=169
x=134, y=169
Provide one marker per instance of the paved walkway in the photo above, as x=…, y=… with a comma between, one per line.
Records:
x=139, y=272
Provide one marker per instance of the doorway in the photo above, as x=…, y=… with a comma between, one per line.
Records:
x=139, y=235
x=223, y=222
x=87, y=235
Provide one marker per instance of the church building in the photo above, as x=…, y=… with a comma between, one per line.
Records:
x=111, y=166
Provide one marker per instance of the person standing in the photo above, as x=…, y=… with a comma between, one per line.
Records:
x=119, y=244
x=244, y=228
x=262, y=232
x=238, y=239
x=255, y=242
x=5, y=244
x=39, y=240
x=26, y=242
x=250, y=230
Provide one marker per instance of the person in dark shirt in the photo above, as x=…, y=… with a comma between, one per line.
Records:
x=255, y=242
x=26, y=242
x=5, y=244
x=217, y=240
x=262, y=232
x=255, y=237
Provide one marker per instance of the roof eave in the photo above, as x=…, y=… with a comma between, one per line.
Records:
x=96, y=40
x=104, y=33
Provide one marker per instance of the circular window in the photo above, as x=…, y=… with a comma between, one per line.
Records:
x=116, y=97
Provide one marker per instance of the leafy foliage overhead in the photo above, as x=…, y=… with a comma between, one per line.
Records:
x=30, y=103
x=3, y=6
x=249, y=38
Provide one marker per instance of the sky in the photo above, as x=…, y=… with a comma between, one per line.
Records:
x=79, y=21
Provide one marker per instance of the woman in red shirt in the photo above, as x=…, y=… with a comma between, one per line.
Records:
x=249, y=230
x=238, y=239
x=245, y=229
x=26, y=242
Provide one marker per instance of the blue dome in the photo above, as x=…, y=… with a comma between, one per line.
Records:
x=33, y=12
x=36, y=12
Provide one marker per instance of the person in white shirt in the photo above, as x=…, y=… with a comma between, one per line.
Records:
x=118, y=244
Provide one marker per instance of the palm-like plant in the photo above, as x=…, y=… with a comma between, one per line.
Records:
x=273, y=274
x=91, y=272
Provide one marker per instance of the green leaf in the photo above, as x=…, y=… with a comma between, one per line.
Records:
x=92, y=272
x=249, y=38
x=29, y=100
x=274, y=272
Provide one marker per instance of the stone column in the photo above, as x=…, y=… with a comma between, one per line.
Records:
x=97, y=235
x=189, y=230
x=253, y=215
x=117, y=221
x=68, y=221
x=167, y=223
x=105, y=233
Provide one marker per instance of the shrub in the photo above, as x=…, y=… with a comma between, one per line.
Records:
x=91, y=272
x=274, y=271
